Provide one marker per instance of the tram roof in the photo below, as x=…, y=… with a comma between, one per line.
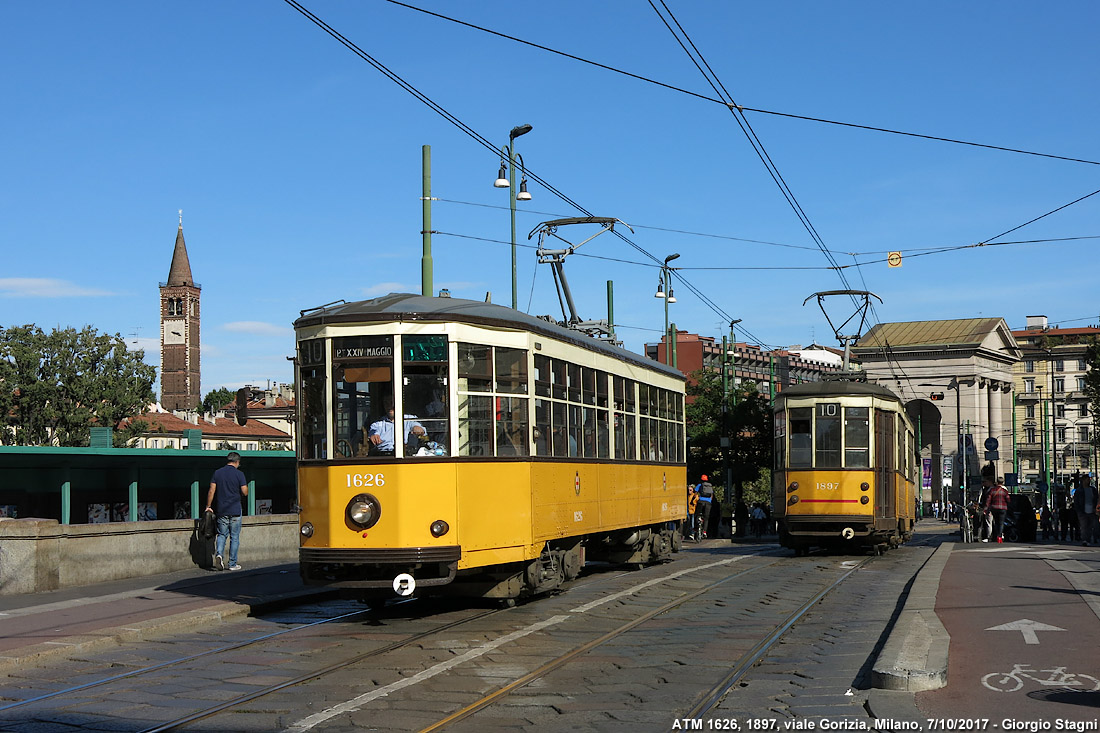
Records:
x=411, y=307
x=837, y=388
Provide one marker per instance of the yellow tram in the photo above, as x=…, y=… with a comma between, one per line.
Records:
x=454, y=445
x=845, y=467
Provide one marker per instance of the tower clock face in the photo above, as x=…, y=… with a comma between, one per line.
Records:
x=173, y=332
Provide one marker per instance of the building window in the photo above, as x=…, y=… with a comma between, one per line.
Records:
x=1083, y=433
x=1061, y=411
x=1059, y=365
x=1029, y=385
x=1061, y=435
x=1081, y=366
x=1084, y=409
x=1060, y=384
x=1029, y=366
x=1080, y=384
x=1029, y=411
x=1030, y=434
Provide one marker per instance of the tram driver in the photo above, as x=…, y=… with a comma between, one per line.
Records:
x=381, y=433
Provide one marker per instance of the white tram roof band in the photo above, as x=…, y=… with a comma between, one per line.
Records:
x=410, y=307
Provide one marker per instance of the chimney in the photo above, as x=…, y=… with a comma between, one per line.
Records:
x=1036, y=323
x=269, y=399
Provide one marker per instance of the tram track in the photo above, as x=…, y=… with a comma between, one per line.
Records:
x=739, y=597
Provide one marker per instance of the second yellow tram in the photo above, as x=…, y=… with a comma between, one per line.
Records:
x=845, y=467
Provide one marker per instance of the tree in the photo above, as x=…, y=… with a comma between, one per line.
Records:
x=1092, y=385
x=750, y=428
x=217, y=399
x=57, y=386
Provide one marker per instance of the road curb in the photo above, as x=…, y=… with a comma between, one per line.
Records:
x=914, y=657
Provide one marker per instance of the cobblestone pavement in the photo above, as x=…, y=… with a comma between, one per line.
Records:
x=640, y=681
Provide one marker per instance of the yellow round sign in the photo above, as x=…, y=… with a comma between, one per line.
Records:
x=894, y=259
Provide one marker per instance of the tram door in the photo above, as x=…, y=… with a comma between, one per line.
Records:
x=885, y=465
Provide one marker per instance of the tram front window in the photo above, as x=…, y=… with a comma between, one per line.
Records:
x=827, y=435
x=857, y=437
x=311, y=377
x=424, y=372
x=801, y=425
x=363, y=401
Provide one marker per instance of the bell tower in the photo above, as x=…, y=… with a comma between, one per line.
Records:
x=179, y=333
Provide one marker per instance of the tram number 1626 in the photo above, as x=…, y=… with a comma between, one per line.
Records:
x=365, y=480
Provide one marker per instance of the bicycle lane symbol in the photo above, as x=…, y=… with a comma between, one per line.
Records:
x=1056, y=677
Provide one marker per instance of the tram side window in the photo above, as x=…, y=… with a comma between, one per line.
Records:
x=562, y=444
x=543, y=430
x=543, y=378
x=512, y=433
x=362, y=372
x=475, y=368
x=511, y=370
x=312, y=412
x=424, y=373
x=827, y=435
x=780, y=438
x=801, y=437
x=623, y=391
x=475, y=425
x=857, y=437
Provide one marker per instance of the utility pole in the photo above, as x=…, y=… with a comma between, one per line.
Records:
x=426, y=225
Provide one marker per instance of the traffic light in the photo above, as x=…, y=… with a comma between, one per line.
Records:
x=937, y=396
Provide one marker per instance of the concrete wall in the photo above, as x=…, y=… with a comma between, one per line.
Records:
x=42, y=554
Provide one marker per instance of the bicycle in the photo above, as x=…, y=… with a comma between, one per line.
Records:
x=1056, y=677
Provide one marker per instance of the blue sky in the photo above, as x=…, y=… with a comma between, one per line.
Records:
x=297, y=164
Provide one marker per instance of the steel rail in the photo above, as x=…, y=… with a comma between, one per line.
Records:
x=754, y=655
x=207, y=712
x=565, y=658
x=181, y=660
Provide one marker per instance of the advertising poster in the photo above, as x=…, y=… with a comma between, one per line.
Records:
x=926, y=473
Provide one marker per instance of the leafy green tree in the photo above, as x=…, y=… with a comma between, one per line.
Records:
x=217, y=399
x=750, y=429
x=1092, y=384
x=58, y=385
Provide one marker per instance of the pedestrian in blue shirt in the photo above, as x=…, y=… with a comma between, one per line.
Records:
x=227, y=487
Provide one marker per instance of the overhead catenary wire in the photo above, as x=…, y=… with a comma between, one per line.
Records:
x=715, y=100
x=480, y=139
x=914, y=252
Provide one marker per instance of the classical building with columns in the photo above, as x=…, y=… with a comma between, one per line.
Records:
x=956, y=381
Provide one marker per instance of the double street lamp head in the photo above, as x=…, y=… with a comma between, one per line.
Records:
x=502, y=178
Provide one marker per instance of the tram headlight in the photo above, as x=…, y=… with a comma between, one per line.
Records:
x=307, y=530
x=793, y=487
x=864, y=499
x=793, y=499
x=864, y=486
x=364, y=511
x=439, y=528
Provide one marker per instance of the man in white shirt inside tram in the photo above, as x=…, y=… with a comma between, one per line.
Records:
x=381, y=433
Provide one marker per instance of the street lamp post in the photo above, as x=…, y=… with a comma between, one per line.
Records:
x=664, y=291
x=509, y=152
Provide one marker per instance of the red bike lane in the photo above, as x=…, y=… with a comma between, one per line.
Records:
x=1025, y=643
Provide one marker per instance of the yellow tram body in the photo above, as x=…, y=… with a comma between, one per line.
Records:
x=845, y=466
x=546, y=447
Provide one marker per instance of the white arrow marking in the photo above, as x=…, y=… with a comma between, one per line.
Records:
x=1027, y=627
